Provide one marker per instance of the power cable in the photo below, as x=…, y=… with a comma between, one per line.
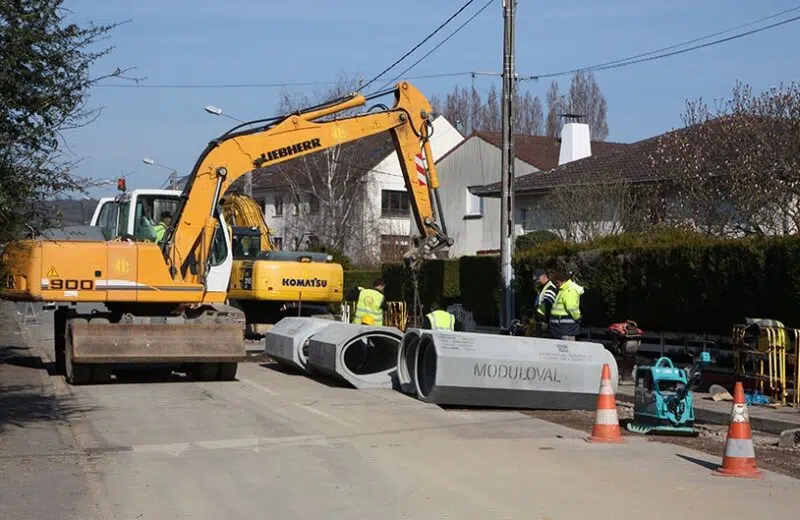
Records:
x=706, y=37
x=417, y=46
x=648, y=56
x=487, y=4
x=262, y=85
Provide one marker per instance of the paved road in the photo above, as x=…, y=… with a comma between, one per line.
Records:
x=284, y=446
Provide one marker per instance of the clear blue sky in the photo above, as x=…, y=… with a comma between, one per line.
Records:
x=253, y=41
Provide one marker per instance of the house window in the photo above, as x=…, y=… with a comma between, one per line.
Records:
x=262, y=203
x=525, y=217
x=394, y=203
x=393, y=247
x=313, y=204
x=278, y=241
x=474, y=204
x=278, y=205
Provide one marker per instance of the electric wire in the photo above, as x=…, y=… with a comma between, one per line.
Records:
x=645, y=57
x=487, y=4
x=417, y=46
x=260, y=85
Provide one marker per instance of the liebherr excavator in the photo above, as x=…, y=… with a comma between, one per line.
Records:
x=164, y=304
x=265, y=283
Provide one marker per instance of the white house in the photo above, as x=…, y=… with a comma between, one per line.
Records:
x=472, y=218
x=382, y=223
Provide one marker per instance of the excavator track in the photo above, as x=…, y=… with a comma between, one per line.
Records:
x=206, y=345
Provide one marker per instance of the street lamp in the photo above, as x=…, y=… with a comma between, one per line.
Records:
x=248, y=177
x=216, y=111
x=173, y=173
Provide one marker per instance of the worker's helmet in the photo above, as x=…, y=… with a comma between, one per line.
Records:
x=367, y=320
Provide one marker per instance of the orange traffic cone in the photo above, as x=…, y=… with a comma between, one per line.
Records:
x=606, y=423
x=740, y=457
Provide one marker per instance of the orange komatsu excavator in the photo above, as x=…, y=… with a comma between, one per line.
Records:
x=126, y=302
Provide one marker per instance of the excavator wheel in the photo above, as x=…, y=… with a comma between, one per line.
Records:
x=82, y=373
x=227, y=371
x=203, y=371
x=59, y=340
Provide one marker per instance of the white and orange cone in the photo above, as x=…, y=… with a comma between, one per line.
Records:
x=740, y=457
x=606, y=424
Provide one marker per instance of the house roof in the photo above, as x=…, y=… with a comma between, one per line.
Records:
x=632, y=163
x=542, y=151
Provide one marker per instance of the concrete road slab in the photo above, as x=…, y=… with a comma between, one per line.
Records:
x=286, y=446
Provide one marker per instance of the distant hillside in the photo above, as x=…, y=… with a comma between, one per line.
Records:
x=74, y=212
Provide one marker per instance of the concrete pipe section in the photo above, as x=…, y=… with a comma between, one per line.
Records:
x=406, y=357
x=467, y=369
x=287, y=341
x=363, y=356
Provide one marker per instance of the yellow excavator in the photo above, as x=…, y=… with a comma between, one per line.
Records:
x=164, y=303
x=269, y=284
x=265, y=283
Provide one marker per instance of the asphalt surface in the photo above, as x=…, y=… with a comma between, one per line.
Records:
x=284, y=446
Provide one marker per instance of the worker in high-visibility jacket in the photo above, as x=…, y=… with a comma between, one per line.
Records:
x=163, y=224
x=439, y=319
x=544, y=301
x=565, y=315
x=369, y=302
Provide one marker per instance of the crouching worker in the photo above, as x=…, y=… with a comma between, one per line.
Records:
x=370, y=302
x=439, y=319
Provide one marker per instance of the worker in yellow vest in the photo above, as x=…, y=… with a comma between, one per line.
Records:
x=439, y=319
x=370, y=302
x=565, y=315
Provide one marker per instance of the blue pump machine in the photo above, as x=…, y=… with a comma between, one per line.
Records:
x=663, y=398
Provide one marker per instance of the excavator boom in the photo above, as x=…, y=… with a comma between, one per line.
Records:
x=295, y=135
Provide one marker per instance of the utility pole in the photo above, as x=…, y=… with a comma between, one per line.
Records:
x=507, y=167
x=173, y=180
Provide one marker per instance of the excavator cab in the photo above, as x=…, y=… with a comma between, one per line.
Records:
x=246, y=242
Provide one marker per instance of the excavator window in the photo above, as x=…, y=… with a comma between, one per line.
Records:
x=219, y=248
x=107, y=219
x=246, y=242
x=148, y=210
x=122, y=223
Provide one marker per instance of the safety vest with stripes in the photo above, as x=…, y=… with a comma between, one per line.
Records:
x=567, y=305
x=369, y=302
x=441, y=320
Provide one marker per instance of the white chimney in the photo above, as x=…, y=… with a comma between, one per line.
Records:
x=575, y=142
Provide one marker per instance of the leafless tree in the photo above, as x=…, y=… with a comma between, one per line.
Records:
x=466, y=109
x=736, y=166
x=529, y=116
x=555, y=107
x=581, y=212
x=584, y=98
x=329, y=187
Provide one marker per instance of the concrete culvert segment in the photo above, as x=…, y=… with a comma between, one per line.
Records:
x=406, y=357
x=468, y=369
x=287, y=341
x=363, y=356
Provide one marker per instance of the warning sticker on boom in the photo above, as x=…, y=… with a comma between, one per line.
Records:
x=52, y=273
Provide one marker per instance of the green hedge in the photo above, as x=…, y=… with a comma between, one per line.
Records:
x=671, y=281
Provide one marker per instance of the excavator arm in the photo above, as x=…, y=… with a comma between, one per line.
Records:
x=269, y=142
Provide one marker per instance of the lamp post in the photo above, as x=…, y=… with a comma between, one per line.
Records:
x=173, y=173
x=248, y=177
